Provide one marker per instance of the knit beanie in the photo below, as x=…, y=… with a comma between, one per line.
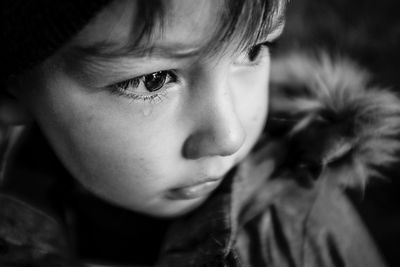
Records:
x=33, y=30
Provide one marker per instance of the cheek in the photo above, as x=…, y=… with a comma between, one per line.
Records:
x=110, y=146
x=251, y=100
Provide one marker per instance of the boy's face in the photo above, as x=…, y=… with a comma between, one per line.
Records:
x=155, y=133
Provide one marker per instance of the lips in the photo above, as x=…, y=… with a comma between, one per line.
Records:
x=194, y=191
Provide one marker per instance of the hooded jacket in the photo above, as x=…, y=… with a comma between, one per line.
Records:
x=282, y=206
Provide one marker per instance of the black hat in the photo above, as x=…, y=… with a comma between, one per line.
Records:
x=32, y=30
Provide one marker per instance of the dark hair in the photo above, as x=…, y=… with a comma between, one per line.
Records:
x=246, y=21
x=33, y=31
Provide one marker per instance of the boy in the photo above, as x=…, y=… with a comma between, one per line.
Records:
x=154, y=107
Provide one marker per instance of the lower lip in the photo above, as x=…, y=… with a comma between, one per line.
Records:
x=194, y=191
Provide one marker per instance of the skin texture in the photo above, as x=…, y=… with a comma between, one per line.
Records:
x=133, y=152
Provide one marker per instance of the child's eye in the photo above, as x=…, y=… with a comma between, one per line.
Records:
x=254, y=55
x=145, y=87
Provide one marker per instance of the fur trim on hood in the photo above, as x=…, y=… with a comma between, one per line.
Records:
x=332, y=117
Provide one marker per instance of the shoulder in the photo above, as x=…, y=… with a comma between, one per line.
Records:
x=30, y=232
x=302, y=226
x=29, y=235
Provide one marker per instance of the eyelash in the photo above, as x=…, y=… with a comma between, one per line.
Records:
x=124, y=88
x=170, y=76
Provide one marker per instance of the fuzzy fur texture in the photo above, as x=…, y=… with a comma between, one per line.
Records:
x=332, y=117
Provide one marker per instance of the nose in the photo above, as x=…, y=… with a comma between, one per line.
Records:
x=218, y=130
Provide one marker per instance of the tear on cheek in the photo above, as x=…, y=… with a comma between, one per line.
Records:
x=147, y=111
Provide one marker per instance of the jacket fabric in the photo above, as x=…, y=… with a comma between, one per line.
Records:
x=283, y=206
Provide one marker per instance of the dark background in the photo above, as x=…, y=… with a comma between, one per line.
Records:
x=367, y=31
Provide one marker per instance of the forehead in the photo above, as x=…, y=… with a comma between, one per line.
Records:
x=186, y=22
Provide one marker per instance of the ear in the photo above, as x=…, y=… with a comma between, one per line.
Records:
x=12, y=110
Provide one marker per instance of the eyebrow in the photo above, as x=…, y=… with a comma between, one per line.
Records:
x=111, y=50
